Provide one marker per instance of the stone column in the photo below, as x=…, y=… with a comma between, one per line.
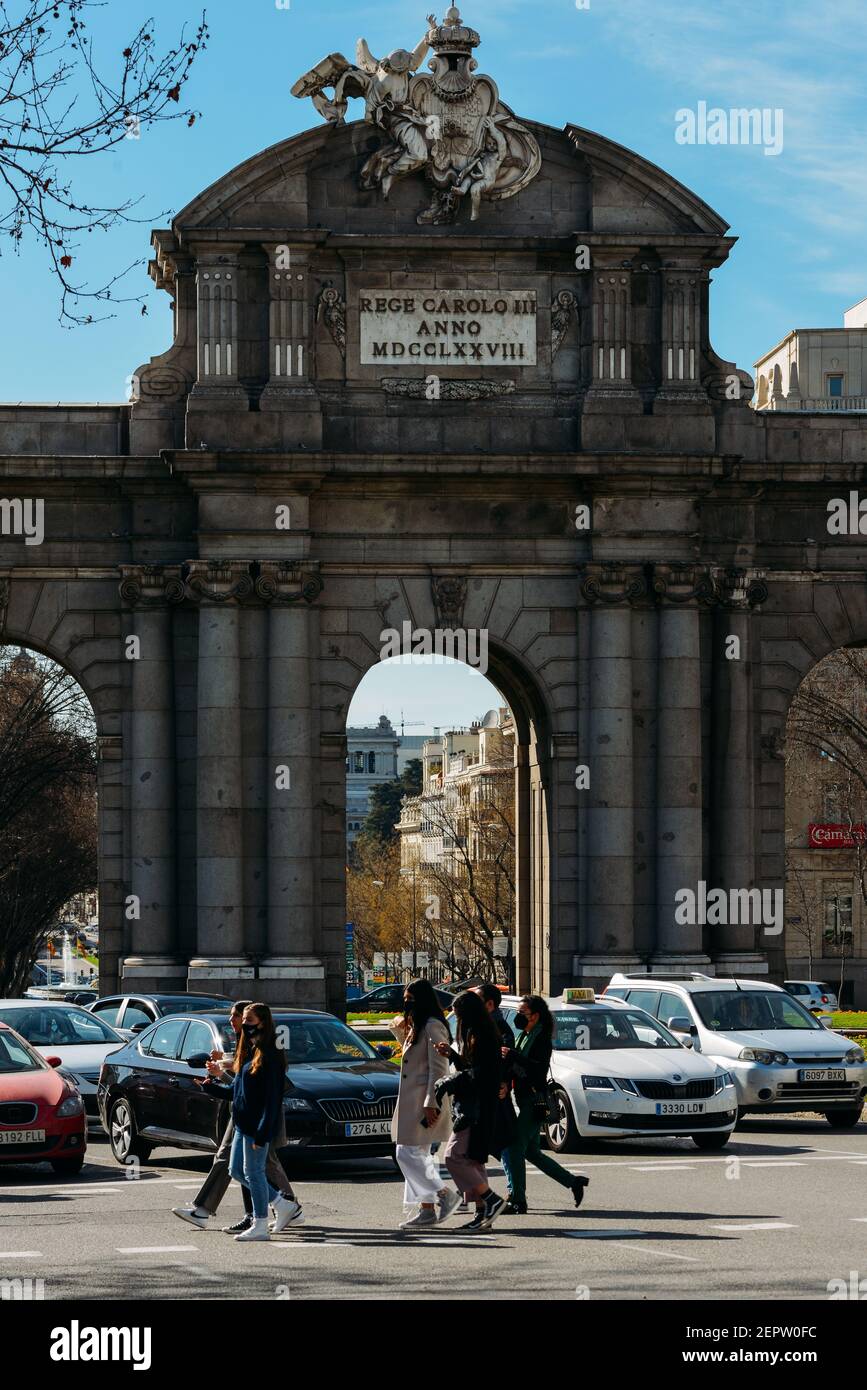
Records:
x=217, y=394
x=611, y=366
x=733, y=837
x=290, y=393
x=523, y=882
x=218, y=586
x=292, y=961
x=153, y=962
x=680, y=589
x=683, y=292
x=608, y=939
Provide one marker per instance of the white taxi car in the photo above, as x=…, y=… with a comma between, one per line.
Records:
x=782, y=1059
x=621, y=1074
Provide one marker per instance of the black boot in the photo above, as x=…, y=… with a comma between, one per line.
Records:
x=578, y=1186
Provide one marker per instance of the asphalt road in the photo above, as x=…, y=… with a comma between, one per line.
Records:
x=778, y=1215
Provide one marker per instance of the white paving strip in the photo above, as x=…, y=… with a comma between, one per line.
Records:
x=772, y=1163
x=157, y=1249
x=665, y=1254
x=21, y=1255
x=659, y=1167
x=758, y=1226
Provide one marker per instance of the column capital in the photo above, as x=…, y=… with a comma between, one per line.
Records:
x=740, y=589
x=218, y=581
x=151, y=586
x=287, y=583
x=684, y=584
x=610, y=582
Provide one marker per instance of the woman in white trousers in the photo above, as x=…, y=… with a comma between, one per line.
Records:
x=418, y=1122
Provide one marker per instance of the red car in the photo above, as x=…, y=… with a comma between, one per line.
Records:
x=42, y=1115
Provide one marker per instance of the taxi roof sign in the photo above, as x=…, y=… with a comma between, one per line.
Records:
x=576, y=995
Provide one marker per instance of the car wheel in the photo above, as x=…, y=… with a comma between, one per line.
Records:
x=844, y=1119
x=68, y=1167
x=123, y=1134
x=562, y=1134
x=711, y=1141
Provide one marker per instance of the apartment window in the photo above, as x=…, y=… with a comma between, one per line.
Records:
x=358, y=762
x=838, y=915
x=371, y=762
x=835, y=384
x=831, y=804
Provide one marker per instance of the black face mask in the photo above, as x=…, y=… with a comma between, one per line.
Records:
x=408, y=1007
x=251, y=1031
x=521, y=1022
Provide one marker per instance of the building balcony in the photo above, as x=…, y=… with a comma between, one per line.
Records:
x=842, y=405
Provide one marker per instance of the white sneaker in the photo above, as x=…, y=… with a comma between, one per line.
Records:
x=286, y=1213
x=425, y=1216
x=447, y=1202
x=258, y=1230
x=196, y=1216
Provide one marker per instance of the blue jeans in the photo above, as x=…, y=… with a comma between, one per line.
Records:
x=247, y=1166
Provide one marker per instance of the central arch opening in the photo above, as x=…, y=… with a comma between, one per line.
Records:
x=448, y=859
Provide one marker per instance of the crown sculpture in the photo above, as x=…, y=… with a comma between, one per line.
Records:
x=451, y=125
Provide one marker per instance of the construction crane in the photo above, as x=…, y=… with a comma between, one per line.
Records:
x=410, y=723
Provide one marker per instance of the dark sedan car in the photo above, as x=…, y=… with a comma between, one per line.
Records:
x=132, y=1013
x=339, y=1102
x=389, y=999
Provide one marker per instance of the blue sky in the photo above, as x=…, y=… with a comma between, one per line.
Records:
x=436, y=691
x=621, y=67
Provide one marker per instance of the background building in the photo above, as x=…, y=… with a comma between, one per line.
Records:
x=817, y=368
x=371, y=758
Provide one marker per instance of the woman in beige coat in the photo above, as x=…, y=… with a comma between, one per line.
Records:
x=418, y=1121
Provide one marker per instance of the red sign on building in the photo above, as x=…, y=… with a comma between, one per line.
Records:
x=837, y=836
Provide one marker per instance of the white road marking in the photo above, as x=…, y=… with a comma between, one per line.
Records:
x=658, y=1167
x=771, y=1163
x=666, y=1254
x=21, y=1255
x=156, y=1249
x=600, y=1234
x=759, y=1226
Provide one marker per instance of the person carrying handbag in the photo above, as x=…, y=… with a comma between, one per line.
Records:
x=530, y=1062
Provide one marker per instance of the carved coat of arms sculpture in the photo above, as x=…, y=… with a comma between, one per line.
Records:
x=452, y=125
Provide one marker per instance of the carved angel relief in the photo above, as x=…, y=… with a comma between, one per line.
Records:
x=451, y=125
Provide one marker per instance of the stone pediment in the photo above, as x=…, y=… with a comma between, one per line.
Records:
x=585, y=183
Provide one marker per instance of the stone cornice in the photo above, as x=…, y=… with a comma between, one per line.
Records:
x=218, y=582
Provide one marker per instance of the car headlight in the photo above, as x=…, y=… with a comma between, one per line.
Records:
x=297, y=1103
x=73, y=1105
x=769, y=1059
x=628, y=1086
x=724, y=1079
x=597, y=1083
x=854, y=1055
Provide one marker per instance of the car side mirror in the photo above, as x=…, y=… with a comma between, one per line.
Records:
x=54, y=1061
x=139, y=1027
x=199, y=1061
x=384, y=1050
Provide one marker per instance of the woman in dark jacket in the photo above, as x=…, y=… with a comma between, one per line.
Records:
x=475, y=1090
x=257, y=1102
x=530, y=1062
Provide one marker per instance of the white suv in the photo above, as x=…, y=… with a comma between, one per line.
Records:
x=781, y=1057
x=813, y=994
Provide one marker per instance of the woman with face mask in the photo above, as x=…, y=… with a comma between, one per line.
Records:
x=529, y=1062
x=419, y=1121
x=257, y=1102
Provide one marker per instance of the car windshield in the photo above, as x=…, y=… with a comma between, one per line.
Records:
x=750, y=1011
x=610, y=1028
x=190, y=1004
x=15, y=1055
x=44, y=1026
x=321, y=1040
